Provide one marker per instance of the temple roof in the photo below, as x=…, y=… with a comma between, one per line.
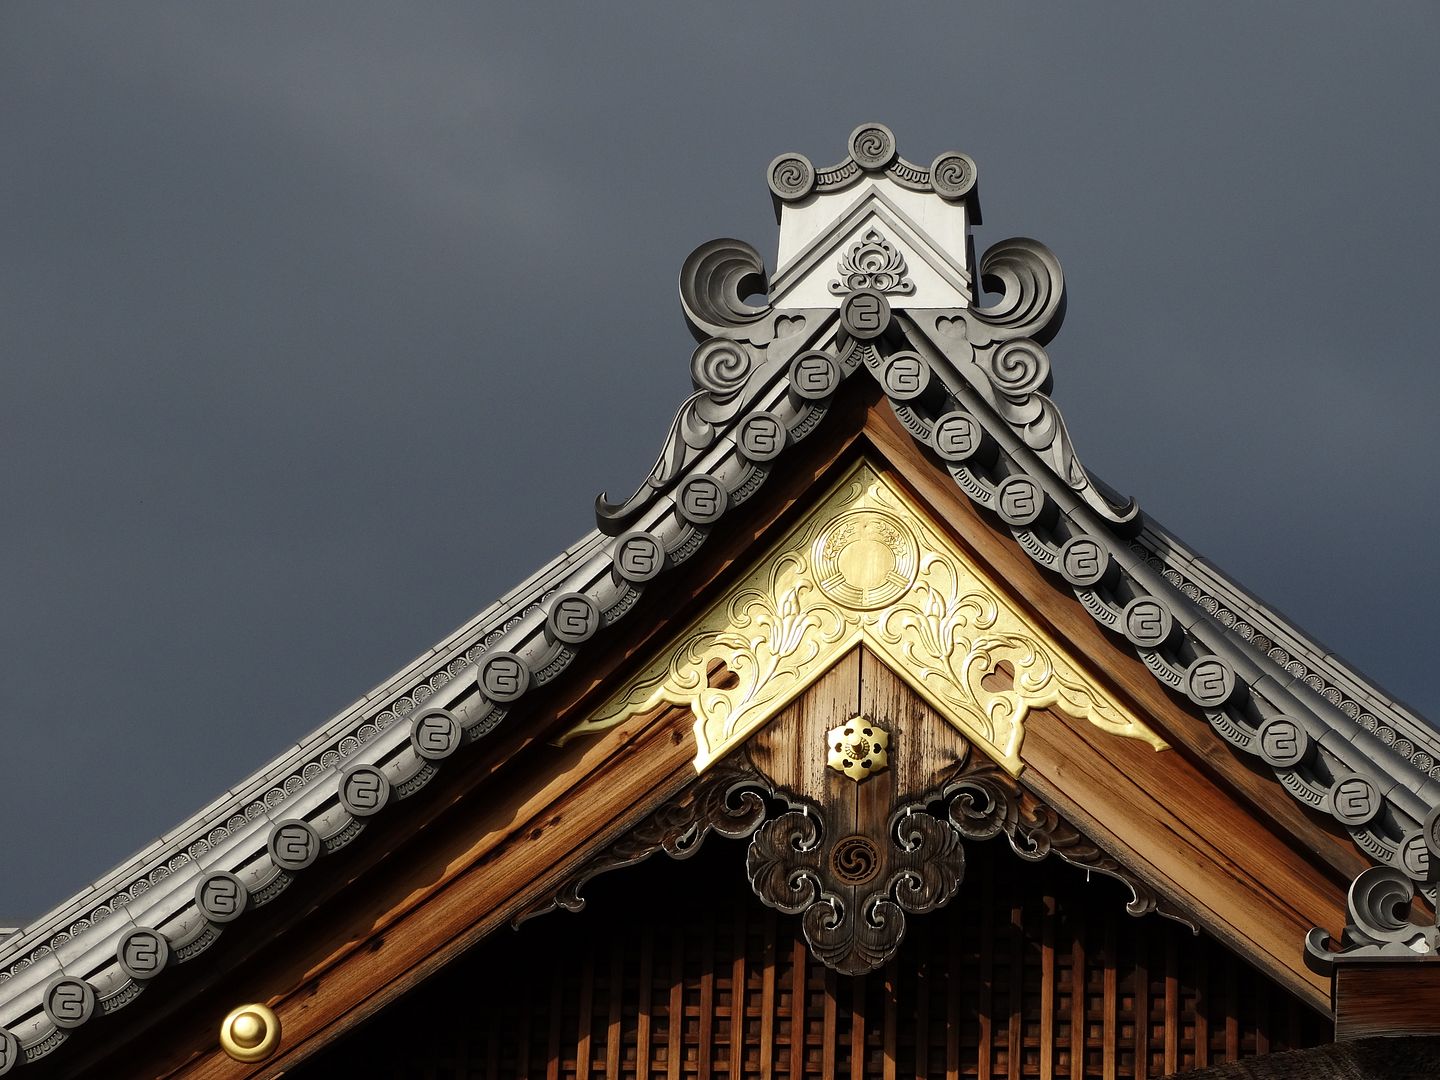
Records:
x=876, y=282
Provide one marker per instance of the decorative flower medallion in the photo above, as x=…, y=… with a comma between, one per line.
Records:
x=859, y=749
x=872, y=263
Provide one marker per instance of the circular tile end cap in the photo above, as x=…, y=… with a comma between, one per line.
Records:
x=142, y=953
x=906, y=376
x=504, y=677
x=872, y=146
x=865, y=314
x=68, y=1001
x=639, y=556
x=9, y=1051
x=1019, y=501
x=1354, y=800
x=1209, y=682
x=953, y=175
x=573, y=617
x=957, y=436
x=1415, y=857
x=435, y=734
x=1147, y=622
x=762, y=436
x=1282, y=742
x=702, y=499
x=1083, y=561
x=814, y=375
x=1431, y=828
x=221, y=896
x=364, y=789
x=791, y=177
x=293, y=844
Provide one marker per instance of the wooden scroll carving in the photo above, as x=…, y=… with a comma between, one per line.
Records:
x=854, y=884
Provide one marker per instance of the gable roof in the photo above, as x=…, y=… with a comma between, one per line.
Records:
x=969, y=384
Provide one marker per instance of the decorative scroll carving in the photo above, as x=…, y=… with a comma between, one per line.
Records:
x=865, y=566
x=983, y=802
x=729, y=800
x=1032, y=286
x=854, y=884
x=872, y=148
x=873, y=262
x=1379, y=926
x=714, y=282
x=720, y=370
x=1010, y=366
x=852, y=893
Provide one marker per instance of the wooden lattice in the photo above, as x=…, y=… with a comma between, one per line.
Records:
x=676, y=970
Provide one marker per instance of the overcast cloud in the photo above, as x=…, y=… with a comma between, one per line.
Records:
x=322, y=325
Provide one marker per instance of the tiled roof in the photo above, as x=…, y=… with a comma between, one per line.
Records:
x=970, y=384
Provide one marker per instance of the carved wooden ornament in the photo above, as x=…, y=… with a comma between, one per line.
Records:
x=853, y=889
x=865, y=567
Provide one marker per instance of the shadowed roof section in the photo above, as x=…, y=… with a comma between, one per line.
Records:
x=1393, y=1058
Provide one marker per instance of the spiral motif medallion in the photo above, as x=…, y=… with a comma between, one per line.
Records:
x=791, y=177
x=952, y=175
x=872, y=146
x=854, y=860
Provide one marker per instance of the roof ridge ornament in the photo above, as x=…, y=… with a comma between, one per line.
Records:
x=792, y=177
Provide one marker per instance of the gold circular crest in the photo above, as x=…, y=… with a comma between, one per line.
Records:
x=250, y=1033
x=865, y=559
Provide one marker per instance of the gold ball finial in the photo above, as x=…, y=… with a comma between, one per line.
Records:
x=250, y=1033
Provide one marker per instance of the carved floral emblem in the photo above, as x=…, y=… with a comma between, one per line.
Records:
x=872, y=263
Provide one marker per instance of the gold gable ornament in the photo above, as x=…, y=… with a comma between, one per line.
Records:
x=865, y=567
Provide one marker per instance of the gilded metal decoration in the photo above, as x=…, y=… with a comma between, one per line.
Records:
x=858, y=749
x=250, y=1033
x=873, y=262
x=866, y=567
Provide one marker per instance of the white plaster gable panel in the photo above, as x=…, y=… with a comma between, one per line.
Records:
x=942, y=222
x=923, y=275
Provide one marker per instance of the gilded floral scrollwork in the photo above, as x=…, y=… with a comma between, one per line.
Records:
x=866, y=567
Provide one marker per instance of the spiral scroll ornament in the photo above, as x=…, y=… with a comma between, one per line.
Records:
x=1032, y=286
x=715, y=280
x=872, y=146
x=721, y=367
x=953, y=175
x=1379, y=904
x=791, y=177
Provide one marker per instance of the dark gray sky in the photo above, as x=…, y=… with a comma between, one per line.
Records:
x=321, y=326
